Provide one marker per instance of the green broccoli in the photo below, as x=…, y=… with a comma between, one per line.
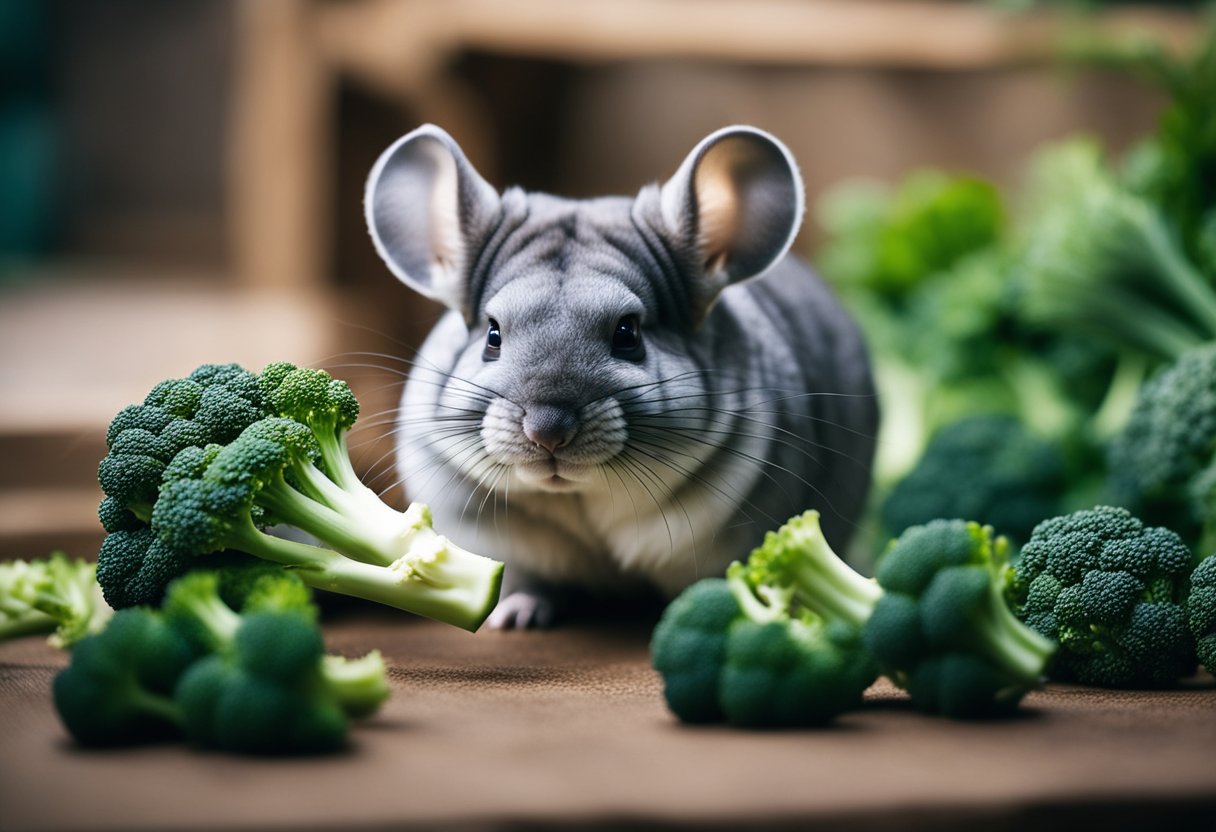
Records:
x=935, y=622
x=195, y=605
x=935, y=618
x=1111, y=591
x=253, y=681
x=56, y=594
x=119, y=686
x=1162, y=464
x=265, y=684
x=729, y=651
x=942, y=628
x=289, y=466
x=214, y=404
x=1201, y=612
x=987, y=467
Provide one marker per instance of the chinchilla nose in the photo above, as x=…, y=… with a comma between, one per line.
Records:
x=550, y=425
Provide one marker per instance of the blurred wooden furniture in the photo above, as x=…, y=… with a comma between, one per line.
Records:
x=292, y=51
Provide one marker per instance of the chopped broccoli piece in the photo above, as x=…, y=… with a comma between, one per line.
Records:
x=195, y=605
x=255, y=680
x=119, y=687
x=942, y=628
x=986, y=467
x=1111, y=592
x=287, y=465
x=56, y=595
x=935, y=622
x=729, y=651
x=1163, y=463
x=1201, y=612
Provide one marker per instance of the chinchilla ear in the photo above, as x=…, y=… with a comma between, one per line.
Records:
x=427, y=208
x=735, y=205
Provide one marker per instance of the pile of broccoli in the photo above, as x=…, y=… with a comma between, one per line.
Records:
x=234, y=661
x=794, y=636
x=208, y=462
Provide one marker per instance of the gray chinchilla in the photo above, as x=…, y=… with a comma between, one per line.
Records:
x=626, y=391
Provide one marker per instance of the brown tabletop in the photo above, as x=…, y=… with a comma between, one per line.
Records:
x=567, y=728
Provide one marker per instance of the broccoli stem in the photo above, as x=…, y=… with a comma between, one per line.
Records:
x=359, y=685
x=831, y=589
x=153, y=704
x=1018, y=648
x=432, y=578
x=220, y=620
x=375, y=534
x=760, y=610
x=335, y=454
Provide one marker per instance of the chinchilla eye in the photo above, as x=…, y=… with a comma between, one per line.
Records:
x=627, y=338
x=493, y=342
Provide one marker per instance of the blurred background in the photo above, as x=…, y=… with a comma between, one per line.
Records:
x=181, y=182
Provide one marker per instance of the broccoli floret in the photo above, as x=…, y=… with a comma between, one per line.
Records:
x=1201, y=612
x=942, y=628
x=266, y=685
x=289, y=467
x=988, y=468
x=729, y=651
x=214, y=404
x=255, y=680
x=1111, y=592
x=119, y=686
x=195, y=604
x=935, y=622
x=934, y=619
x=56, y=594
x=1163, y=464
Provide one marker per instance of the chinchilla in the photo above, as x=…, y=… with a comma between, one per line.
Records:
x=626, y=392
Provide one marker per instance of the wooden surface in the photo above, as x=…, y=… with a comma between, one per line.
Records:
x=567, y=729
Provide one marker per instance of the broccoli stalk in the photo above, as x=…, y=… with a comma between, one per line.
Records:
x=797, y=557
x=289, y=467
x=385, y=556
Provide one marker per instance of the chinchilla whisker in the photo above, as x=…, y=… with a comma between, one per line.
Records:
x=491, y=470
x=459, y=452
x=726, y=448
x=784, y=437
x=729, y=499
x=635, y=468
x=610, y=468
x=764, y=467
